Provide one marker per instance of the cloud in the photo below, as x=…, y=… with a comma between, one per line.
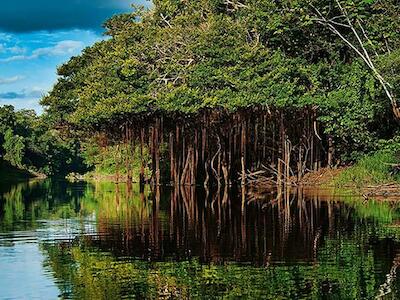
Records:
x=61, y=48
x=4, y=36
x=28, y=15
x=17, y=58
x=11, y=79
x=67, y=47
x=24, y=94
x=13, y=49
x=25, y=104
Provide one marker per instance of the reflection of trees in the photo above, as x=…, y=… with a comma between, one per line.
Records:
x=344, y=272
x=24, y=203
x=324, y=245
x=123, y=213
x=221, y=228
x=177, y=242
x=184, y=222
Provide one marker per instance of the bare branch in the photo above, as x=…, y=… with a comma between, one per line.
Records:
x=235, y=4
x=338, y=24
x=366, y=37
x=166, y=20
x=387, y=46
x=360, y=49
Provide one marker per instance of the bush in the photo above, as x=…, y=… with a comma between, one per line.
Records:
x=371, y=169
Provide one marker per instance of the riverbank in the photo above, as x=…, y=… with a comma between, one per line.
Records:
x=328, y=178
x=376, y=175
x=93, y=176
x=9, y=173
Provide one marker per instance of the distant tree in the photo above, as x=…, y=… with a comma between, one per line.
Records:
x=14, y=147
x=29, y=141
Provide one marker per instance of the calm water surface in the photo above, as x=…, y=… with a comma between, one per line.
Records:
x=107, y=241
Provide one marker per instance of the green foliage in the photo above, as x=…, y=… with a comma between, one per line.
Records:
x=185, y=56
x=115, y=159
x=351, y=110
x=370, y=170
x=391, y=145
x=28, y=141
x=14, y=147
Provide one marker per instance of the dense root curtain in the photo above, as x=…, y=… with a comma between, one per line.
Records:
x=219, y=147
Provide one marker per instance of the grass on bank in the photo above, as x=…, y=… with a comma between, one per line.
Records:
x=374, y=169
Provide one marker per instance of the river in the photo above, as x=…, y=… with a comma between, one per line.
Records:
x=61, y=240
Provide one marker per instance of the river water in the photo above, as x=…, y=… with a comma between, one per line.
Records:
x=62, y=240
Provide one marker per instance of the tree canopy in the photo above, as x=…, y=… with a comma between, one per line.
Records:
x=184, y=56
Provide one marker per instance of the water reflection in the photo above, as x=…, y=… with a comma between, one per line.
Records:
x=108, y=241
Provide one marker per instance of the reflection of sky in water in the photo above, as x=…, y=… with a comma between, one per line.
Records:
x=22, y=275
x=22, y=271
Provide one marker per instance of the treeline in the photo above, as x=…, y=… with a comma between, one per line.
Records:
x=163, y=70
x=28, y=142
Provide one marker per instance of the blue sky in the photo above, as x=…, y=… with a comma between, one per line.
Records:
x=37, y=36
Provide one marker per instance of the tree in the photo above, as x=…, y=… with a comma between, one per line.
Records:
x=357, y=39
x=182, y=58
x=29, y=141
x=14, y=147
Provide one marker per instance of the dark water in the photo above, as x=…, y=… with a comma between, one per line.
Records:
x=107, y=241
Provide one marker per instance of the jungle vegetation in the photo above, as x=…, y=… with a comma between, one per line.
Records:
x=211, y=88
x=30, y=145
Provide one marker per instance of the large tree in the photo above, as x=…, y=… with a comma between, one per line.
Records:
x=183, y=56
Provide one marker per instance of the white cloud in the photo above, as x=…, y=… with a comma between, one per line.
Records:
x=11, y=79
x=67, y=47
x=23, y=104
x=61, y=48
x=16, y=50
x=5, y=36
x=13, y=49
x=17, y=58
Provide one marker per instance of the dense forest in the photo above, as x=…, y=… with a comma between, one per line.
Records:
x=29, y=142
x=199, y=91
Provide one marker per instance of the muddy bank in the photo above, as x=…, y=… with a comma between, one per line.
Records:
x=322, y=177
x=327, y=179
